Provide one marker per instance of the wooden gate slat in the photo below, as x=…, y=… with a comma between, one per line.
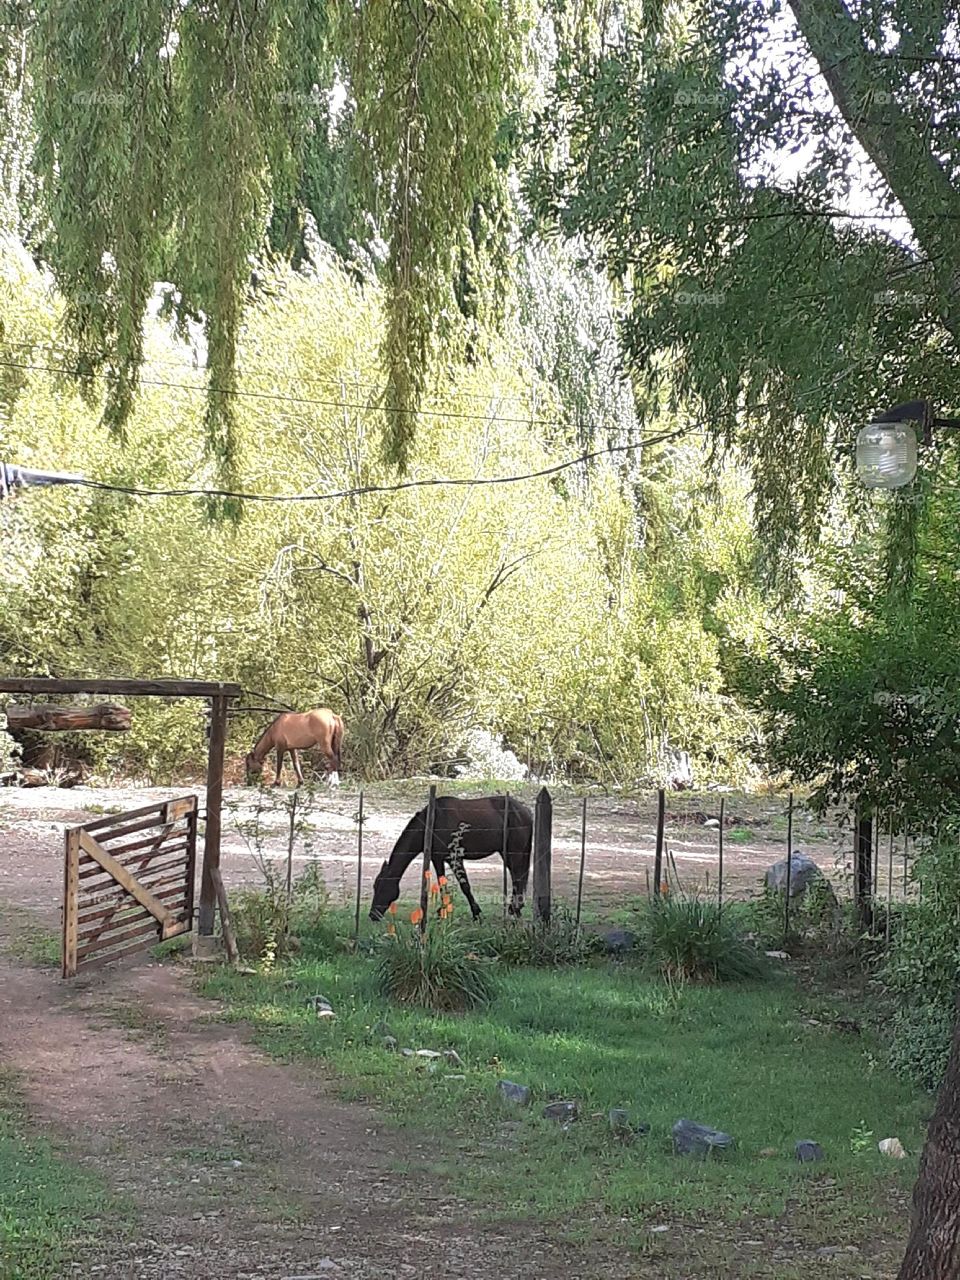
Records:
x=137, y=866
x=123, y=895
x=108, y=957
x=123, y=876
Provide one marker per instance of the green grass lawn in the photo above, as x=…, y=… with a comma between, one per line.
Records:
x=740, y=1058
x=47, y=1206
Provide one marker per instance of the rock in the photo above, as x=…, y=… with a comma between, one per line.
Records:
x=619, y=940
x=407, y=1053
x=428, y=1053
x=692, y=1139
x=321, y=1006
x=454, y=1077
x=803, y=872
x=892, y=1147
x=518, y=1094
x=562, y=1112
x=778, y=955
x=390, y=1044
x=714, y=823
x=767, y=1153
x=451, y=1055
x=808, y=1152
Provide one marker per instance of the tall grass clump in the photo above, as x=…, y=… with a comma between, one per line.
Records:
x=692, y=940
x=544, y=946
x=437, y=968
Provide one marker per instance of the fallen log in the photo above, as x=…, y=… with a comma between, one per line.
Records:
x=47, y=719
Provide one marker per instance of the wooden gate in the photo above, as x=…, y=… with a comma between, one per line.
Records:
x=128, y=882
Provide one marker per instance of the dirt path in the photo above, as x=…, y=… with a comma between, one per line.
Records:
x=236, y=1166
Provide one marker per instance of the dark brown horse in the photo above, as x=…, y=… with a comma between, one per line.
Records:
x=296, y=731
x=464, y=829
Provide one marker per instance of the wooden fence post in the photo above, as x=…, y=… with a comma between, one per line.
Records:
x=786, y=896
x=211, y=839
x=427, y=851
x=356, y=919
x=862, y=880
x=542, y=856
x=658, y=858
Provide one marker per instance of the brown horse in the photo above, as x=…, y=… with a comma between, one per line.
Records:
x=296, y=731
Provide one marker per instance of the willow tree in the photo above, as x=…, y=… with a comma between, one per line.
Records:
x=784, y=274
x=776, y=186
x=167, y=131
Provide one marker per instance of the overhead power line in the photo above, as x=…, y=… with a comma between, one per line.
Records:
x=13, y=477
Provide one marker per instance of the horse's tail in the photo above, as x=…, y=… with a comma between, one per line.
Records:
x=336, y=738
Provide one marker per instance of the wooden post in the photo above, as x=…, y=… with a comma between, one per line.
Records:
x=542, y=856
x=583, y=857
x=427, y=851
x=786, y=897
x=71, y=881
x=658, y=857
x=505, y=845
x=720, y=876
x=863, y=889
x=226, y=924
x=211, y=840
x=356, y=919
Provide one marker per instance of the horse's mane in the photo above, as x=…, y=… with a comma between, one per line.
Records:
x=264, y=734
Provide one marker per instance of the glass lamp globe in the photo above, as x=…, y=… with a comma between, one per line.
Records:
x=887, y=454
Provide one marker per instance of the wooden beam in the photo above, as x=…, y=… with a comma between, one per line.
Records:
x=211, y=841
x=39, y=686
x=50, y=719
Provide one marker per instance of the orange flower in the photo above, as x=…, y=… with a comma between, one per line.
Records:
x=392, y=908
x=416, y=916
x=426, y=875
x=391, y=930
x=434, y=888
x=442, y=880
x=447, y=900
x=664, y=889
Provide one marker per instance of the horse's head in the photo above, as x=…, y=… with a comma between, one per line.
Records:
x=254, y=769
x=386, y=890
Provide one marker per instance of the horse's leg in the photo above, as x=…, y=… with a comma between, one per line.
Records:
x=276, y=781
x=518, y=864
x=295, y=758
x=460, y=872
x=333, y=774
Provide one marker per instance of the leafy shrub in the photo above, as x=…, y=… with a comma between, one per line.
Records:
x=270, y=926
x=815, y=916
x=560, y=942
x=923, y=967
x=691, y=939
x=921, y=1042
x=437, y=968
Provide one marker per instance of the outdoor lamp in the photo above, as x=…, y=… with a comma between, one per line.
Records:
x=887, y=446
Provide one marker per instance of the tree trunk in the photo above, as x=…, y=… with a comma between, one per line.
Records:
x=898, y=144
x=933, y=1252
x=108, y=715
